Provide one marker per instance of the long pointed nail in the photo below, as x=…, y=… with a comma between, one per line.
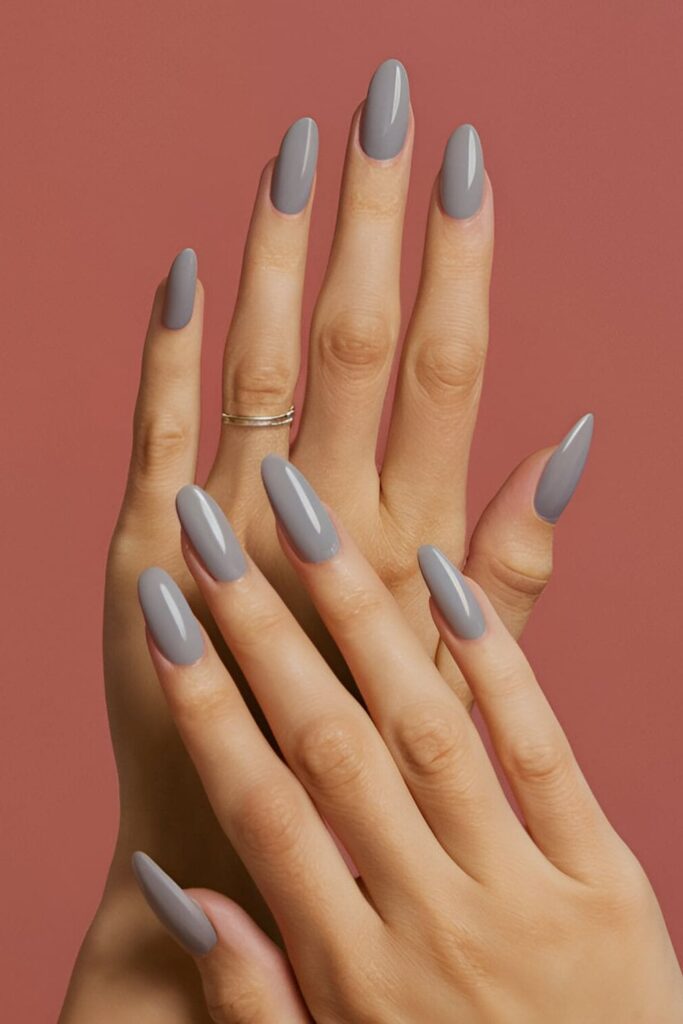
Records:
x=211, y=534
x=462, y=173
x=294, y=168
x=180, y=288
x=184, y=919
x=169, y=617
x=385, y=114
x=299, y=510
x=563, y=470
x=451, y=593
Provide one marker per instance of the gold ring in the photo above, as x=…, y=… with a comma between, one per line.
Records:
x=280, y=419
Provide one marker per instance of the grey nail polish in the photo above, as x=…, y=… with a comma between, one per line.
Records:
x=385, y=113
x=184, y=918
x=462, y=173
x=299, y=510
x=169, y=617
x=180, y=289
x=295, y=166
x=451, y=594
x=563, y=470
x=211, y=534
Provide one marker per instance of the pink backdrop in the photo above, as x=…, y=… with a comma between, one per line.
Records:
x=135, y=129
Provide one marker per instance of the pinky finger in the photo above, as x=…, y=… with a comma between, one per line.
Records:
x=245, y=976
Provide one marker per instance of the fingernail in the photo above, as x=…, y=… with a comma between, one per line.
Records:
x=211, y=534
x=294, y=168
x=384, y=117
x=563, y=470
x=169, y=617
x=299, y=510
x=180, y=289
x=451, y=593
x=185, y=919
x=462, y=173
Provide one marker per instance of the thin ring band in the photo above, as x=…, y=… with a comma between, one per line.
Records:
x=278, y=420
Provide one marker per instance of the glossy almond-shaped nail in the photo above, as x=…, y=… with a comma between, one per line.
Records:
x=184, y=919
x=295, y=166
x=212, y=536
x=169, y=617
x=462, y=173
x=181, y=284
x=451, y=593
x=299, y=510
x=563, y=470
x=385, y=114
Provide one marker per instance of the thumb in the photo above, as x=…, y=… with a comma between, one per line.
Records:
x=245, y=975
x=511, y=549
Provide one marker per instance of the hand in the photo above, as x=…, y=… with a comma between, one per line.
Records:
x=460, y=913
x=419, y=494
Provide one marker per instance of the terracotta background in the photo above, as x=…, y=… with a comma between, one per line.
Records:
x=131, y=130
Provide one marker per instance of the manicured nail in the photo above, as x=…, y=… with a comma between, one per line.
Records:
x=180, y=289
x=451, y=593
x=211, y=534
x=169, y=617
x=185, y=919
x=299, y=510
x=563, y=470
x=384, y=117
x=462, y=173
x=294, y=168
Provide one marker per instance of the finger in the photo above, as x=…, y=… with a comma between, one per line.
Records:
x=245, y=976
x=424, y=470
x=262, y=353
x=561, y=813
x=265, y=812
x=510, y=553
x=323, y=732
x=166, y=421
x=431, y=738
x=356, y=320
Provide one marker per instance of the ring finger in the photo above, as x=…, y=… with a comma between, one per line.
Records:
x=262, y=354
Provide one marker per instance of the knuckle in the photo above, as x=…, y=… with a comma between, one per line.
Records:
x=355, y=342
x=253, y=622
x=429, y=739
x=512, y=573
x=354, y=606
x=268, y=819
x=453, y=365
x=266, y=383
x=328, y=753
x=159, y=444
x=243, y=1004
x=537, y=761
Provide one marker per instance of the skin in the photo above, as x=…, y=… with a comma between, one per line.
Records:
x=556, y=921
x=419, y=494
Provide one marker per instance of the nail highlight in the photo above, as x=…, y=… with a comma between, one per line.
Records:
x=180, y=289
x=563, y=470
x=211, y=534
x=169, y=617
x=294, y=168
x=184, y=919
x=462, y=173
x=451, y=593
x=299, y=510
x=385, y=114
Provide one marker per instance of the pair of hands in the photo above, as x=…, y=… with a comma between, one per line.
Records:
x=460, y=913
x=419, y=495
